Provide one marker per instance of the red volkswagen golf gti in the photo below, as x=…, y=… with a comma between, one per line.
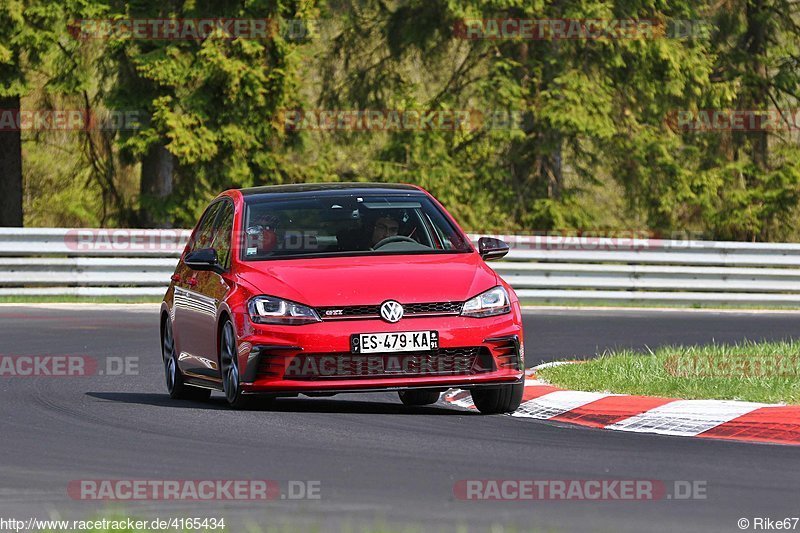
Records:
x=320, y=289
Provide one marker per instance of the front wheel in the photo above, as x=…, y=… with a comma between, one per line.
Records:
x=229, y=362
x=495, y=400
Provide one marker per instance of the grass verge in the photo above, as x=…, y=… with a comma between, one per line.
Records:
x=766, y=372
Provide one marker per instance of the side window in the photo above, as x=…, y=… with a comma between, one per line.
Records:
x=222, y=234
x=205, y=230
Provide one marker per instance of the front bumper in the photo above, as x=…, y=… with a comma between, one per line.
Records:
x=268, y=353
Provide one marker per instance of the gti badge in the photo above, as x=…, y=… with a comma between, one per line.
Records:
x=391, y=311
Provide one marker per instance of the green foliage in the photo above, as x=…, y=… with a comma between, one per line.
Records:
x=587, y=141
x=214, y=103
x=27, y=31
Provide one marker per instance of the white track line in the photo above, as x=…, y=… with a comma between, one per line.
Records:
x=466, y=401
x=685, y=417
x=556, y=403
x=551, y=364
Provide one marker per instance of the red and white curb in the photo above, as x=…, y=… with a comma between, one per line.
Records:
x=714, y=419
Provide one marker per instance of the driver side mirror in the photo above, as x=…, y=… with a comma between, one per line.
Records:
x=204, y=260
x=491, y=248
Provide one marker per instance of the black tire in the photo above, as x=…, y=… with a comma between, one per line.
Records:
x=176, y=386
x=419, y=397
x=229, y=367
x=496, y=400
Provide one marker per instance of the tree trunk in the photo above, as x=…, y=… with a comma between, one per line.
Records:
x=552, y=167
x=757, y=97
x=11, y=168
x=156, y=185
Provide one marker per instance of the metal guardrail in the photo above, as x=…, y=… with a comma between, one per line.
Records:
x=129, y=263
x=88, y=262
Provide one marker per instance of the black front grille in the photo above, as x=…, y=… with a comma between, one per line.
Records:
x=338, y=365
x=349, y=311
x=373, y=311
x=434, y=308
x=270, y=366
x=508, y=352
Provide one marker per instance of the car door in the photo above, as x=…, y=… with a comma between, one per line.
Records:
x=209, y=291
x=191, y=309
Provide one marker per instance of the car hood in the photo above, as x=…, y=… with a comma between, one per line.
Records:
x=368, y=280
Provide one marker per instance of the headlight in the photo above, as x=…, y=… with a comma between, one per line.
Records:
x=490, y=303
x=270, y=310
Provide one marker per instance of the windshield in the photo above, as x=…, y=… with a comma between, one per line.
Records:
x=347, y=224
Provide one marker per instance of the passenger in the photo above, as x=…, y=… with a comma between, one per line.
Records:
x=262, y=235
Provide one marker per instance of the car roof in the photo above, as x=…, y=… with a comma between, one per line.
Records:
x=326, y=189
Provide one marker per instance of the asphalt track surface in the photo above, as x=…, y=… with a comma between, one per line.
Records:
x=379, y=464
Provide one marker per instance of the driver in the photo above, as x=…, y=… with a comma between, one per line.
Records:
x=385, y=226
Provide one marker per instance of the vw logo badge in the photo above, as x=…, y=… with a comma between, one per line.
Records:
x=391, y=311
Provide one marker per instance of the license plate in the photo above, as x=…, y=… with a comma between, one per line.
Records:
x=400, y=341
